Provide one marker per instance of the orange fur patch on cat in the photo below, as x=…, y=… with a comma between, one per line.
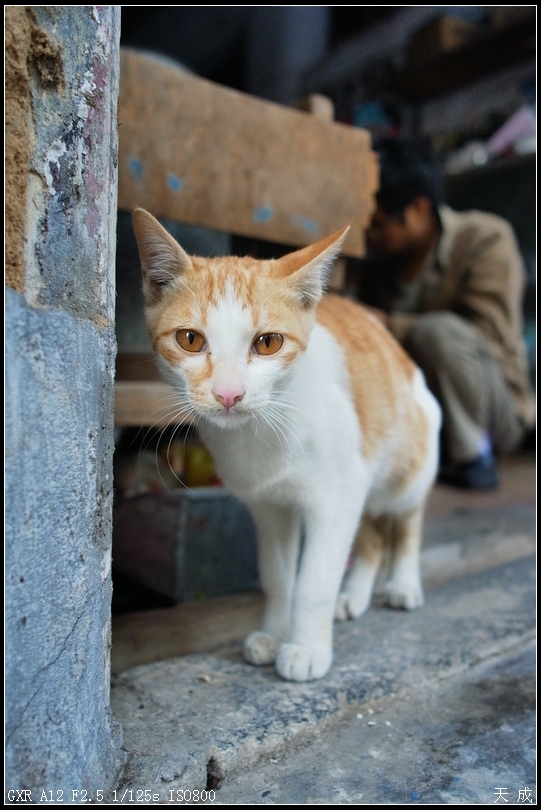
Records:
x=379, y=372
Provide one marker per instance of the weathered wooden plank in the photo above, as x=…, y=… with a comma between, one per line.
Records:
x=197, y=152
x=137, y=366
x=152, y=404
x=143, y=637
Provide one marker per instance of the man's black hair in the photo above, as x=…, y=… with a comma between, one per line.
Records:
x=409, y=168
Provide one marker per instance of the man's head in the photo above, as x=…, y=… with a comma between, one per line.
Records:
x=411, y=189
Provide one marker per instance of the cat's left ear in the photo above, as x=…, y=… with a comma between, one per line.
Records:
x=162, y=258
x=307, y=269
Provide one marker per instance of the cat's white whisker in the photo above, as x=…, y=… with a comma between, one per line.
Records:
x=176, y=429
x=279, y=433
x=171, y=408
x=287, y=424
x=281, y=403
x=273, y=422
x=176, y=411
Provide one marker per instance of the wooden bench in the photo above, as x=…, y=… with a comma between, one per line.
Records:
x=202, y=154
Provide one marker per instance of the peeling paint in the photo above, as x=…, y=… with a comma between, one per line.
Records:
x=306, y=224
x=175, y=183
x=76, y=152
x=263, y=214
x=52, y=166
x=136, y=168
x=105, y=569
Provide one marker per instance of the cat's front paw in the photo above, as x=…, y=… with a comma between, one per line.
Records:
x=260, y=648
x=407, y=596
x=349, y=606
x=295, y=662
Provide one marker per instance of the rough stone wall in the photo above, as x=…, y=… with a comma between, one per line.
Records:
x=61, y=150
x=18, y=142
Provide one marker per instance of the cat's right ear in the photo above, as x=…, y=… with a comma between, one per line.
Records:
x=162, y=258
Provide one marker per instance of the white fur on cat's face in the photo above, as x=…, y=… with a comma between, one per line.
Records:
x=227, y=382
x=225, y=304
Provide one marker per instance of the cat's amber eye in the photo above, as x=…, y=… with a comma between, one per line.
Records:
x=190, y=341
x=268, y=344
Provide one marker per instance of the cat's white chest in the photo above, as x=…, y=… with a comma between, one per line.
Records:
x=313, y=433
x=255, y=466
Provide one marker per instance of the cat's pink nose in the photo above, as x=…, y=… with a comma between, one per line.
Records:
x=229, y=397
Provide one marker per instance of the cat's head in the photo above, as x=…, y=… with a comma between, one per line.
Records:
x=229, y=330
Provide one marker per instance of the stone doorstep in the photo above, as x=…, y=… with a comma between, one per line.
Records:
x=464, y=532
x=189, y=716
x=454, y=742
x=455, y=546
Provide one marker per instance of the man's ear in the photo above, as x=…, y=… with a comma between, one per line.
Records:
x=418, y=215
x=422, y=206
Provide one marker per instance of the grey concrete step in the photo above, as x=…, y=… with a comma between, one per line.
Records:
x=187, y=717
x=455, y=741
x=460, y=540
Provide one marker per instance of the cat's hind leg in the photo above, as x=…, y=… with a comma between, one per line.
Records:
x=404, y=588
x=278, y=539
x=356, y=593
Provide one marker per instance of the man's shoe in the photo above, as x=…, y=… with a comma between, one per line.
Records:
x=481, y=473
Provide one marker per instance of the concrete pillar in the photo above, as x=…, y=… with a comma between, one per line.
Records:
x=61, y=151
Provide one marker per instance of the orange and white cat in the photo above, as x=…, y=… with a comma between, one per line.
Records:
x=316, y=419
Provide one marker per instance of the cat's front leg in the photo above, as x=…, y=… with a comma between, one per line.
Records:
x=307, y=654
x=278, y=538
